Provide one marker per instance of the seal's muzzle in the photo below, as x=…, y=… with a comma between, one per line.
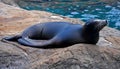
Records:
x=101, y=24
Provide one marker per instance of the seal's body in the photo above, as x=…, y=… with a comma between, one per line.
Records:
x=55, y=34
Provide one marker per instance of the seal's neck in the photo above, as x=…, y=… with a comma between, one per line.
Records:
x=90, y=36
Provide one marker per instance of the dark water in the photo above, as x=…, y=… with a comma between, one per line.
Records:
x=85, y=9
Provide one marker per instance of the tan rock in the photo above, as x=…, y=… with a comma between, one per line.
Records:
x=13, y=20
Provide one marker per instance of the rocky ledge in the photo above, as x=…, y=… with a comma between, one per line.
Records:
x=13, y=20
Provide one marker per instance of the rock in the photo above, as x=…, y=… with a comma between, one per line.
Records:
x=13, y=20
x=10, y=2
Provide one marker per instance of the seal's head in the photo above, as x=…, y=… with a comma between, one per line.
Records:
x=91, y=30
x=95, y=25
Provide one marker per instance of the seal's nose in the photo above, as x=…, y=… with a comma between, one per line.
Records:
x=106, y=21
x=103, y=23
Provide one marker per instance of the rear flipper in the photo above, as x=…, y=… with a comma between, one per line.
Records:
x=37, y=43
x=11, y=38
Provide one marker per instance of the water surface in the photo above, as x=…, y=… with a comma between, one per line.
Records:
x=84, y=9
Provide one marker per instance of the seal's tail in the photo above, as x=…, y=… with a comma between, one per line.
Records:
x=35, y=43
x=11, y=38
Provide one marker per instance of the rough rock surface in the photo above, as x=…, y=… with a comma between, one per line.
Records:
x=11, y=2
x=13, y=20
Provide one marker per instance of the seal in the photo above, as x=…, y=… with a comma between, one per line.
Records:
x=57, y=34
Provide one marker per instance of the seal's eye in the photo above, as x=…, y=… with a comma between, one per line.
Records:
x=91, y=23
x=94, y=22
